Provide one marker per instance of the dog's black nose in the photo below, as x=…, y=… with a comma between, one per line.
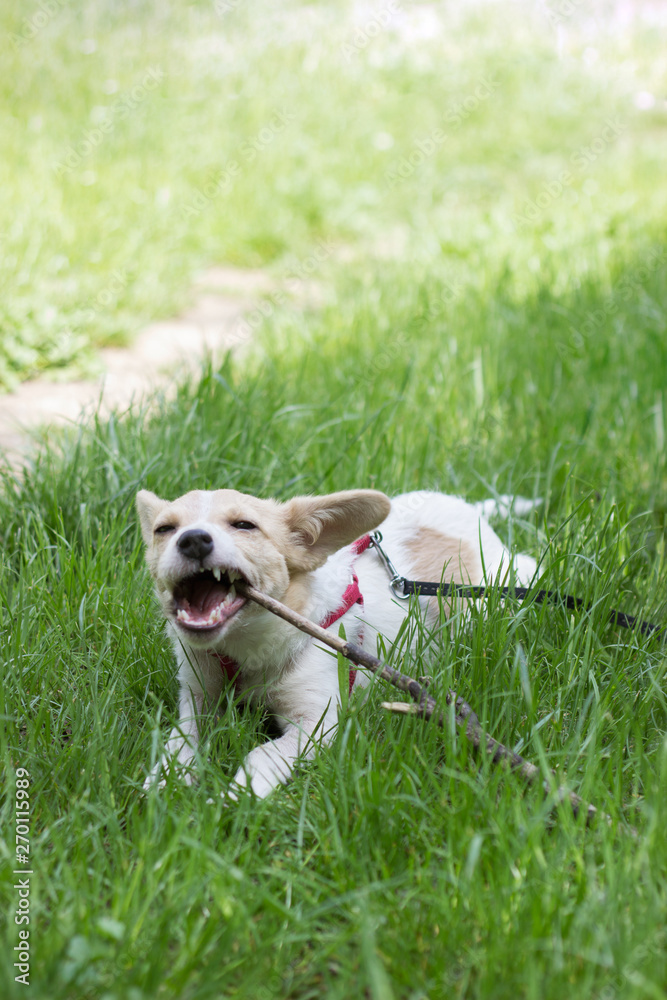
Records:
x=195, y=544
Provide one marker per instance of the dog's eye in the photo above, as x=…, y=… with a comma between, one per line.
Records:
x=162, y=529
x=244, y=525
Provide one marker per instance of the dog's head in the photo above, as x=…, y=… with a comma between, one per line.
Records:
x=200, y=545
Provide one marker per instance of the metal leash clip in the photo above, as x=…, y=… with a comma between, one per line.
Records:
x=396, y=582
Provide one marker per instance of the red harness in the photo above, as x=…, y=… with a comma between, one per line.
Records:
x=351, y=596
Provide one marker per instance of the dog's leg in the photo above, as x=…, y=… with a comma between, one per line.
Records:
x=181, y=747
x=306, y=707
x=272, y=763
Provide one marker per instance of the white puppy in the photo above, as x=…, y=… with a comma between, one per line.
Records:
x=302, y=553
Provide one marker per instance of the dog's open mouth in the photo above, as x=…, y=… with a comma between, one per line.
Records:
x=207, y=600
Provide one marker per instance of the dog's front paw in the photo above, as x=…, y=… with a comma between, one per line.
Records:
x=260, y=774
x=158, y=776
x=155, y=778
x=151, y=783
x=230, y=796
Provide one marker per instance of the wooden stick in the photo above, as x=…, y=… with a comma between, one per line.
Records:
x=426, y=707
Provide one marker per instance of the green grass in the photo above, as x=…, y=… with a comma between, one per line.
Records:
x=460, y=349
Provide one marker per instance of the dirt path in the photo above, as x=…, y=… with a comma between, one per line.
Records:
x=160, y=353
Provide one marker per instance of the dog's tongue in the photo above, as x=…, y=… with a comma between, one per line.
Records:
x=199, y=596
x=202, y=602
x=205, y=595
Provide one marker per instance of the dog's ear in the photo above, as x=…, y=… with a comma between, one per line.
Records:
x=148, y=506
x=319, y=526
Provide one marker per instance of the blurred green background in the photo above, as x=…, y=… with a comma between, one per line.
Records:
x=142, y=141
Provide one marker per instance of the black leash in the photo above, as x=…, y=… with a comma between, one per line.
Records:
x=403, y=589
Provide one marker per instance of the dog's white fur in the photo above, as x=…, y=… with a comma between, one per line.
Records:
x=300, y=553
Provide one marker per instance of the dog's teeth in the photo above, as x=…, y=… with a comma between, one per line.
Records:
x=233, y=575
x=232, y=592
x=216, y=573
